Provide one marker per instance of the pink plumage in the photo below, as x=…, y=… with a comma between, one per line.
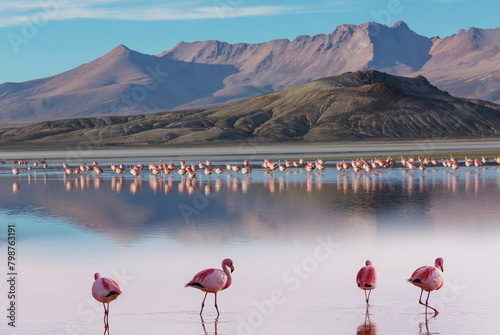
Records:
x=428, y=278
x=367, y=279
x=213, y=281
x=105, y=290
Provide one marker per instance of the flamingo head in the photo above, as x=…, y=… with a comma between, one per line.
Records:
x=97, y=276
x=368, y=263
x=229, y=263
x=439, y=263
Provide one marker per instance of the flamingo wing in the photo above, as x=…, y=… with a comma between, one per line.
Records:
x=105, y=290
x=367, y=278
x=209, y=280
x=428, y=278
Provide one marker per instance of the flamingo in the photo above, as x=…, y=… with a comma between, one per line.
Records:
x=454, y=166
x=15, y=171
x=105, y=290
x=282, y=167
x=367, y=279
x=213, y=281
x=246, y=170
x=236, y=168
x=218, y=171
x=428, y=278
x=134, y=171
x=97, y=169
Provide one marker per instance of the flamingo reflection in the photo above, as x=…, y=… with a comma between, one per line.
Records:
x=15, y=187
x=367, y=327
x=216, y=321
x=421, y=325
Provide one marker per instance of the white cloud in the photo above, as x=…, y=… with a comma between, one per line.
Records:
x=22, y=11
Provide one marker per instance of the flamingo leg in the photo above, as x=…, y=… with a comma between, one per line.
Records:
x=420, y=299
x=105, y=312
x=217, y=308
x=203, y=303
x=368, y=300
x=427, y=304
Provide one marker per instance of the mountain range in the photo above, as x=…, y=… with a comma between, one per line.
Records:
x=363, y=105
x=202, y=74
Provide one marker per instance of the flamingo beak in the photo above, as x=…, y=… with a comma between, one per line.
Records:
x=232, y=268
x=442, y=268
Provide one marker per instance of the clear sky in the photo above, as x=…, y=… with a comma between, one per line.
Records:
x=40, y=38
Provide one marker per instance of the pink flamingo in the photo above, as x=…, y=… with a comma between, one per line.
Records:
x=134, y=171
x=218, y=171
x=213, y=281
x=428, y=278
x=246, y=170
x=281, y=167
x=105, y=290
x=15, y=171
x=97, y=169
x=367, y=279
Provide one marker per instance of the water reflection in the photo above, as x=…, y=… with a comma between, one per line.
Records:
x=203, y=323
x=367, y=327
x=423, y=327
x=177, y=205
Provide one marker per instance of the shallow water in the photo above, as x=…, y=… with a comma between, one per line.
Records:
x=297, y=242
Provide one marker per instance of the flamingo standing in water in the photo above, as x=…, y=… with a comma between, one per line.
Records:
x=213, y=281
x=15, y=171
x=105, y=290
x=367, y=279
x=428, y=278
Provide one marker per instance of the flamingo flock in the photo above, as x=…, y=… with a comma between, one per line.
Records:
x=427, y=278
x=192, y=170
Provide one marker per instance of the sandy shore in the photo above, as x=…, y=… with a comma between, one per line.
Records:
x=255, y=151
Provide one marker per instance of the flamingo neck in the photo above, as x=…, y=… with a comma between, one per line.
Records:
x=228, y=274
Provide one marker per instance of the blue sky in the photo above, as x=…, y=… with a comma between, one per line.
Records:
x=40, y=38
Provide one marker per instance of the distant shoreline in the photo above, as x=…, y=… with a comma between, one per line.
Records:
x=256, y=151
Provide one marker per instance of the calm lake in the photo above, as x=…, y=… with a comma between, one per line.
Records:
x=297, y=241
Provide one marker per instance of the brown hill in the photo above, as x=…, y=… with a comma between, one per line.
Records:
x=361, y=105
